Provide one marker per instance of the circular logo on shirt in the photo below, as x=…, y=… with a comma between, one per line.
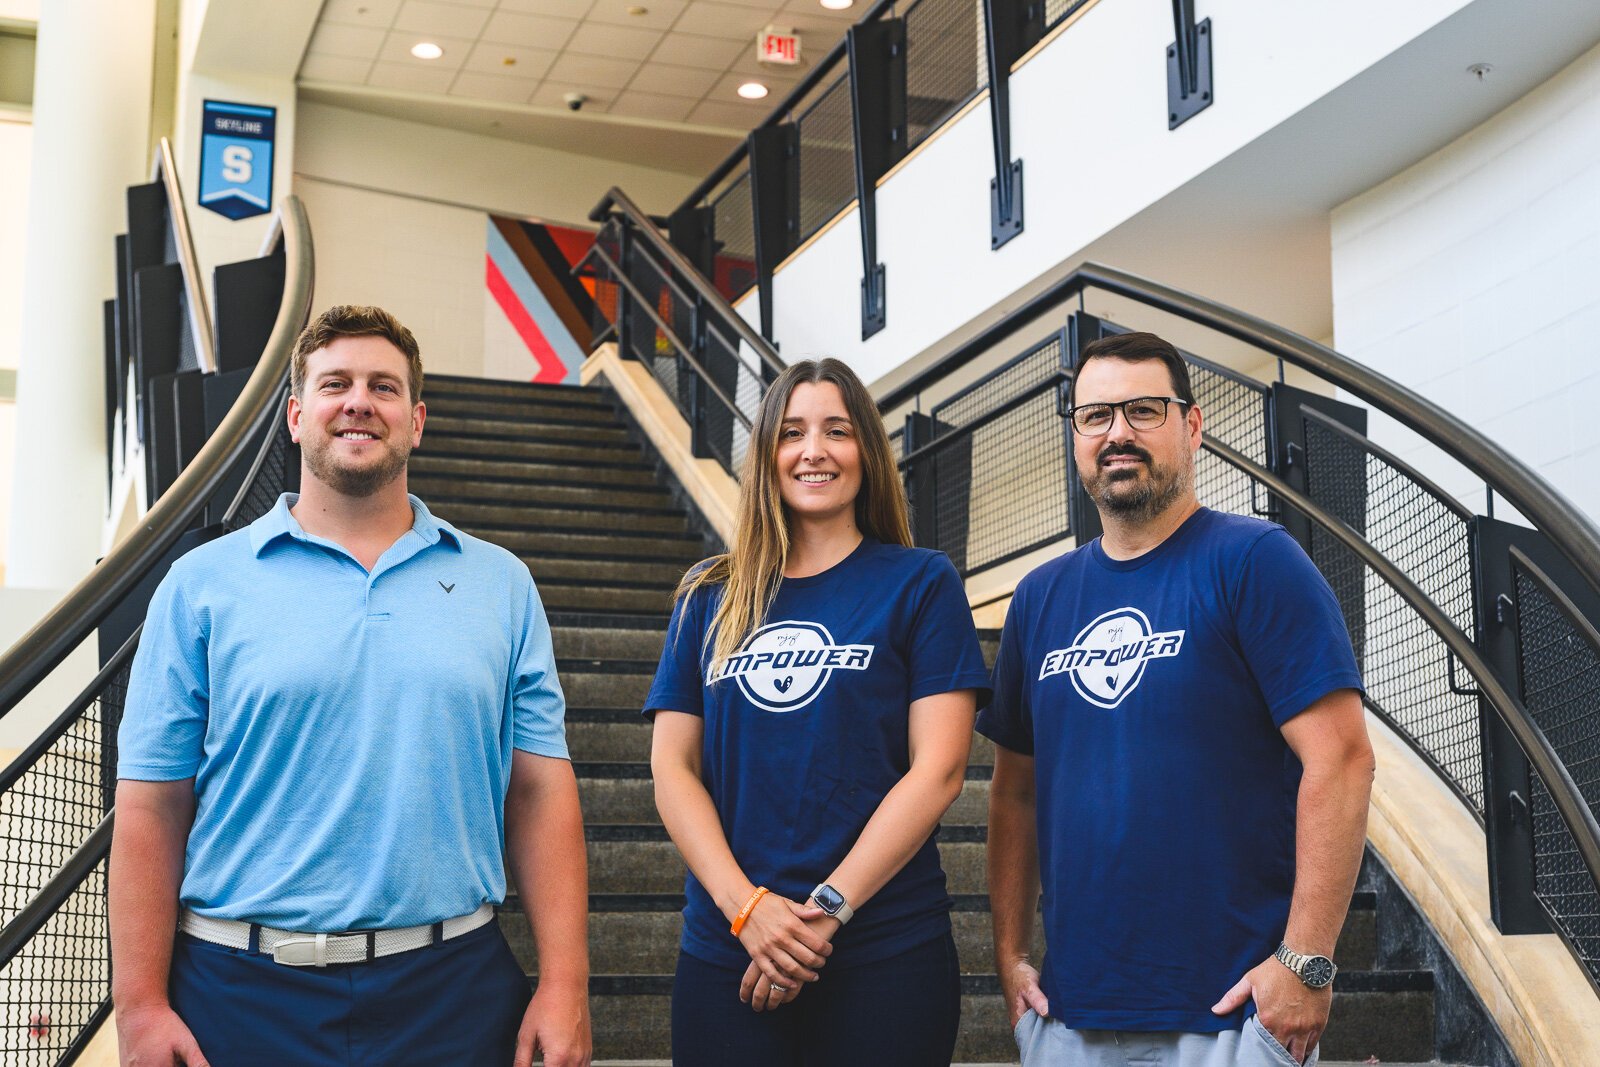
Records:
x=1107, y=658
x=785, y=665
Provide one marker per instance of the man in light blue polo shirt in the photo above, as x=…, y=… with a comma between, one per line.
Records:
x=341, y=722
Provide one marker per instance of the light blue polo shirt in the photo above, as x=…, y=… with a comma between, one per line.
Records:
x=349, y=733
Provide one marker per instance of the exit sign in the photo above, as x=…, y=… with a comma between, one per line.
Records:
x=780, y=47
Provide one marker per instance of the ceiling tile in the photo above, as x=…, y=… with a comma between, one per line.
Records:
x=674, y=81
x=812, y=9
x=397, y=49
x=361, y=12
x=733, y=116
x=530, y=31
x=359, y=42
x=552, y=95
x=562, y=9
x=620, y=42
x=722, y=20
x=428, y=16
x=593, y=70
x=494, y=87
x=688, y=50
x=410, y=78
x=491, y=59
x=318, y=68
x=769, y=8
x=637, y=105
x=658, y=14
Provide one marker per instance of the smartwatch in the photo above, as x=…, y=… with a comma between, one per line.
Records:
x=831, y=901
x=1315, y=971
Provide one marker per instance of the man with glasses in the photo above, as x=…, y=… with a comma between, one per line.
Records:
x=1181, y=759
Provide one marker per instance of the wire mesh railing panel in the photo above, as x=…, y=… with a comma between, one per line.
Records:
x=1038, y=364
x=1561, y=689
x=826, y=158
x=1056, y=10
x=734, y=221
x=59, y=984
x=271, y=479
x=1234, y=412
x=944, y=62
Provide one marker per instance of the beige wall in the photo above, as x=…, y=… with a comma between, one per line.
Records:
x=16, y=142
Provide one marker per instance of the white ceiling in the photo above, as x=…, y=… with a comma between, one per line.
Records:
x=676, y=66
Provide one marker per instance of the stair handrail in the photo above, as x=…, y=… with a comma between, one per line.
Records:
x=200, y=328
x=644, y=227
x=49, y=642
x=1573, y=533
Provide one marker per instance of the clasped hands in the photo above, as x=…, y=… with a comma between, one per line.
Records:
x=788, y=943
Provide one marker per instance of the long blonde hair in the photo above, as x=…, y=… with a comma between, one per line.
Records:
x=750, y=570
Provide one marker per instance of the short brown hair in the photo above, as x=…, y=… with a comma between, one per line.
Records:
x=1135, y=348
x=354, y=320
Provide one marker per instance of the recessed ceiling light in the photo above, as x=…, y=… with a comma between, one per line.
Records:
x=426, y=50
x=637, y=10
x=752, y=90
x=837, y=5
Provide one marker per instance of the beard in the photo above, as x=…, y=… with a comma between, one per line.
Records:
x=1124, y=494
x=360, y=481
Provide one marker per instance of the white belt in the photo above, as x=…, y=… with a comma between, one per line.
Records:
x=319, y=950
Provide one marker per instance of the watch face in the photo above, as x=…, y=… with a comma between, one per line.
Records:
x=828, y=899
x=1317, y=972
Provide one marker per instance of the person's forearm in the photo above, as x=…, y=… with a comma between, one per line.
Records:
x=693, y=824
x=903, y=820
x=146, y=870
x=1013, y=871
x=1330, y=832
x=545, y=848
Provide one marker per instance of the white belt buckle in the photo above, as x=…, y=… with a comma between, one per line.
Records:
x=302, y=951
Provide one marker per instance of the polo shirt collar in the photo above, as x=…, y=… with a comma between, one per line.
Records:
x=279, y=523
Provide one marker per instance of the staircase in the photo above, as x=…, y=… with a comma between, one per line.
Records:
x=555, y=475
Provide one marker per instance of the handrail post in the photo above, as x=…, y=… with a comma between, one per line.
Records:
x=624, y=312
x=699, y=402
x=1011, y=27
x=1189, y=86
x=878, y=114
x=775, y=199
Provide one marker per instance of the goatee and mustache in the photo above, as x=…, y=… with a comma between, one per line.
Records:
x=356, y=481
x=1121, y=492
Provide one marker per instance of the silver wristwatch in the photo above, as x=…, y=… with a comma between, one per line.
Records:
x=831, y=901
x=1315, y=971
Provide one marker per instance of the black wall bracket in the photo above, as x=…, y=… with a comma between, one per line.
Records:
x=878, y=107
x=1189, y=86
x=1011, y=27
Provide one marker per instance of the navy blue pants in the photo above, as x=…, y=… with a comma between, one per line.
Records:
x=458, y=1002
x=898, y=1012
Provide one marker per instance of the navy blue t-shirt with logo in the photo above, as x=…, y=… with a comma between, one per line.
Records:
x=1151, y=693
x=806, y=731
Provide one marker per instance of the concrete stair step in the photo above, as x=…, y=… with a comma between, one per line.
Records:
x=625, y=685
x=456, y=385
x=613, y=545
x=623, y=573
x=507, y=449
x=423, y=465
x=619, y=733
x=630, y=500
x=574, y=597
x=597, y=643
x=450, y=428
x=581, y=520
x=539, y=408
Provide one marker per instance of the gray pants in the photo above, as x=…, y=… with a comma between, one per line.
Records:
x=1048, y=1043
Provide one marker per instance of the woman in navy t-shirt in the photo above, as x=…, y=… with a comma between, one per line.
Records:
x=813, y=715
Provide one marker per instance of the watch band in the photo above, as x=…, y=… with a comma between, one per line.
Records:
x=844, y=912
x=1315, y=971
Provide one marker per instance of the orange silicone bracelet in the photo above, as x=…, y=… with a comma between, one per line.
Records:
x=749, y=906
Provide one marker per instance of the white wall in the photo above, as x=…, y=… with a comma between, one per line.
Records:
x=1273, y=59
x=1474, y=278
x=16, y=144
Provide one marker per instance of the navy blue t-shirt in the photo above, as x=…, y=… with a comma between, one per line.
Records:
x=806, y=731
x=1151, y=693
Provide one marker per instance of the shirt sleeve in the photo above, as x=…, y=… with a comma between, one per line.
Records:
x=538, y=707
x=679, y=684
x=1007, y=720
x=1291, y=630
x=944, y=655
x=162, y=734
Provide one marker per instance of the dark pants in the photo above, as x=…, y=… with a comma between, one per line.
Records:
x=898, y=1012
x=459, y=1002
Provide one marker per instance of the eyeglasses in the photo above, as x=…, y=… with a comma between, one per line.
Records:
x=1142, y=413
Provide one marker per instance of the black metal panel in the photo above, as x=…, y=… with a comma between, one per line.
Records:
x=878, y=106
x=689, y=231
x=129, y=613
x=1082, y=329
x=219, y=392
x=1189, y=84
x=110, y=363
x=775, y=196
x=247, y=299
x=146, y=245
x=1012, y=27
x=124, y=314
x=157, y=330
x=176, y=407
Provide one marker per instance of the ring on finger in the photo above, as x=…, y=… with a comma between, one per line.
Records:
x=779, y=989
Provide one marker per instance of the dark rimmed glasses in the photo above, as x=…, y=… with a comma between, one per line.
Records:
x=1142, y=413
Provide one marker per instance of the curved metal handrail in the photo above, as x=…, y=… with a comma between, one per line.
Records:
x=1564, y=792
x=205, y=341
x=38, y=651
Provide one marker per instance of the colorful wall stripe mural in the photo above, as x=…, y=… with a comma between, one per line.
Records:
x=536, y=315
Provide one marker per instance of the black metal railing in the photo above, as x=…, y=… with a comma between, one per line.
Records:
x=56, y=797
